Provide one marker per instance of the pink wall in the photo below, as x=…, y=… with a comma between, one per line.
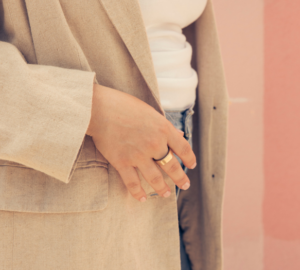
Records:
x=281, y=208
x=240, y=24
x=260, y=42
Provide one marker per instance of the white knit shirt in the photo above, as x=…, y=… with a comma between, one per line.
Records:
x=171, y=53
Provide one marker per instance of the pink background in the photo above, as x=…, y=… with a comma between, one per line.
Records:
x=260, y=42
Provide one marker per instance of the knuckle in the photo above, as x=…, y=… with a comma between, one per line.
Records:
x=119, y=165
x=137, y=156
x=185, y=149
x=154, y=145
x=164, y=127
x=174, y=168
x=120, y=162
x=156, y=179
x=133, y=186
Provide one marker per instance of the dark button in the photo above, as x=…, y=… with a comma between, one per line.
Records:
x=213, y=176
x=215, y=107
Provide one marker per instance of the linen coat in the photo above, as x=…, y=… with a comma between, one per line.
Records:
x=62, y=205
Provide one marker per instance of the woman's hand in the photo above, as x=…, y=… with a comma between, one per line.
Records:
x=130, y=133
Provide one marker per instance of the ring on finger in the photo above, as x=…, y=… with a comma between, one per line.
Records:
x=164, y=160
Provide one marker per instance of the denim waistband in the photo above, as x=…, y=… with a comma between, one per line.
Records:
x=182, y=120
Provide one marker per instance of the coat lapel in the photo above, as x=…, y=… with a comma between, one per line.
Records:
x=127, y=18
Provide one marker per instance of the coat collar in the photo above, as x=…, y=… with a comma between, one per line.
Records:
x=127, y=18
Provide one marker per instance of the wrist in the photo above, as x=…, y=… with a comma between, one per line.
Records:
x=91, y=123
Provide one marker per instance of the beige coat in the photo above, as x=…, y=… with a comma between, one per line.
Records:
x=62, y=205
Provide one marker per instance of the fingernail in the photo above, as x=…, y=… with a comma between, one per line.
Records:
x=143, y=199
x=167, y=194
x=186, y=186
x=180, y=131
x=194, y=166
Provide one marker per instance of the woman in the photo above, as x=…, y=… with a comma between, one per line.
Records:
x=82, y=129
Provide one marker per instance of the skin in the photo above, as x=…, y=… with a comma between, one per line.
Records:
x=130, y=133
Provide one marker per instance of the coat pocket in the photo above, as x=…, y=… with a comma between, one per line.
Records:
x=23, y=189
x=26, y=190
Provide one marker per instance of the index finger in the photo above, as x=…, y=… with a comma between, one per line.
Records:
x=182, y=149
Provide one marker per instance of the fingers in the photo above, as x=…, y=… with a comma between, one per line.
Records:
x=180, y=132
x=182, y=149
x=174, y=170
x=133, y=183
x=153, y=176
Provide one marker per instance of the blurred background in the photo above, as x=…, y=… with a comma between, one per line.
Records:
x=260, y=43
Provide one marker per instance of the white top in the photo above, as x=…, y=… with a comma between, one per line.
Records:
x=171, y=53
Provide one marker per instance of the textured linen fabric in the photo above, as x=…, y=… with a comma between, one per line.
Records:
x=37, y=104
x=62, y=205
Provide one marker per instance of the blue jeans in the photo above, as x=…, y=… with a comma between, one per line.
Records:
x=182, y=120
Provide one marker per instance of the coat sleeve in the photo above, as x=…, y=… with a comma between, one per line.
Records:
x=44, y=113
